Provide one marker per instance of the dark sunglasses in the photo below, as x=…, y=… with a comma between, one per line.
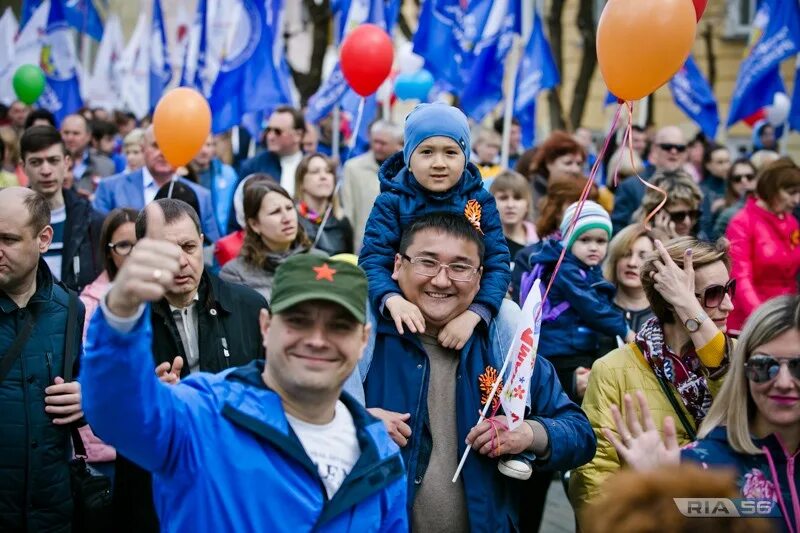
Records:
x=762, y=368
x=667, y=147
x=712, y=296
x=276, y=131
x=738, y=178
x=680, y=216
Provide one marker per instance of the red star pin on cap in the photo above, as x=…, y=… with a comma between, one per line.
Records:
x=324, y=272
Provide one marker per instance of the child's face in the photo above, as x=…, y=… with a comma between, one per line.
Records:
x=487, y=151
x=437, y=163
x=512, y=207
x=591, y=247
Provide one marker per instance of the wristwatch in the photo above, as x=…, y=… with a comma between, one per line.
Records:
x=693, y=324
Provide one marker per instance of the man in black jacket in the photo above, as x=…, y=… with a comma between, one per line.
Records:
x=202, y=324
x=73, y=256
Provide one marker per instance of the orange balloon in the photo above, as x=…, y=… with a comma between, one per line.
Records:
x=181, y=124
x=641, y=44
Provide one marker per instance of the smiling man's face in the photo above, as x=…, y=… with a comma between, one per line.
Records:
x=439, y=298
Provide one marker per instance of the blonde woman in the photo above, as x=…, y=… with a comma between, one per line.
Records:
x=512, y=194
x=678, y=358
x=314, y=188
x=680, y=216
x=133, y=148
x=753, y=427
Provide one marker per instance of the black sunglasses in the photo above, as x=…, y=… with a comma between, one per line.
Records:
x=668, y=147
x=680, y=216
x=276, y=131
x=738, y=178
x=762, y=368
x=712, y=296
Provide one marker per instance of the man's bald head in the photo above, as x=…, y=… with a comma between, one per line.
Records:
x=14, y=198
x=669, y=149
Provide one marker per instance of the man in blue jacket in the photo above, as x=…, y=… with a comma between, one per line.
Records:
x=429, y=397
x=275, y=447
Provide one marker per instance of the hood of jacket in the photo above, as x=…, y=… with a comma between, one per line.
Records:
x=395, y=176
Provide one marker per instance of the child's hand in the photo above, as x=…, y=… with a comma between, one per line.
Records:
x=455, y=334
x=404, y=312
x=581, y=380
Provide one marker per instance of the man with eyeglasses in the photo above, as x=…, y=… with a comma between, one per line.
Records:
x=668, y=154
x=284, y=135
x=429, y=396
x=72, y=256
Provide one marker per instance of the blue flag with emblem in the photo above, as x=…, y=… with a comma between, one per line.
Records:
x=160, y=67
x=776, y=36
x=537, y=71
x=194, y=62
x=59, y=61
x=254, y=75
x=692, y=93
x=80, y=14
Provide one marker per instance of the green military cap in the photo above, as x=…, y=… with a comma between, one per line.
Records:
x=308, y=276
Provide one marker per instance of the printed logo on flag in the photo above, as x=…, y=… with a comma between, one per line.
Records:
x=246, y=38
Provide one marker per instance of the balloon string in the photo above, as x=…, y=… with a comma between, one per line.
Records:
x=629, y=138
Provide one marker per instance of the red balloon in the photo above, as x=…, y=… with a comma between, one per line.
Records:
x=366, y=58
x=699, y=8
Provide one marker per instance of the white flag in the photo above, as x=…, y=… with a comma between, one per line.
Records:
x=27, y=49
x=104, y=88
x=8, y=31
x=514, y=395
x=135, y=69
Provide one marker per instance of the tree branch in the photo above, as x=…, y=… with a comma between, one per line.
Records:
x=555, y=33
x=319, y=16
x=585, y=23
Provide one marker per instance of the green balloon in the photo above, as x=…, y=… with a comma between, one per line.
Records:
x=28, y=83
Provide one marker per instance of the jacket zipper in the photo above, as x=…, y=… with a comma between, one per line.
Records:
x=49, y=359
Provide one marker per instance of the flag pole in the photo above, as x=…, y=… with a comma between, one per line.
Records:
x=335, y=132
x=509, y=103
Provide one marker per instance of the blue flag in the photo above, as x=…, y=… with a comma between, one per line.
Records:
x=255, y=74
x=194, y=62
x=776, y=36
x=160, y=67
x=80, y=14
x=694, y=96
x=59, y=61
x=483, y=87
x=794, y=111
x=537, y=71
x=610, y=99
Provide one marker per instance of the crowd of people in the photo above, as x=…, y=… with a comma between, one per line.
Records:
x=271, y=339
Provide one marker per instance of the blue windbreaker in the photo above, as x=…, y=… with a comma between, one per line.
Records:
x=221, y=451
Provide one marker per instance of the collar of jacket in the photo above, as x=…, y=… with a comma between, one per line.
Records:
x=378, y=466
x=44, y=289
x=211, y=296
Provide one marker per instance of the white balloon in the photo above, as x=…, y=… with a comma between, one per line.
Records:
x=407, y=61
x=778, y=112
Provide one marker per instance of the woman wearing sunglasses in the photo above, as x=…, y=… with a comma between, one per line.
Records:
x=681, y=214
x=753, y=425
x=765, y=240
x=739, y=186
x=678, y=358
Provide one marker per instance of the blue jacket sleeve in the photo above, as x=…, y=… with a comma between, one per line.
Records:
x=598, y=313
x=208, y=220
x=496, y=278
x=102, y=198
x=147, y=421
x=572, y=441
x=380, y=245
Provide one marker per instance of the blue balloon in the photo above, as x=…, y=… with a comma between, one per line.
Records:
x=414, y=86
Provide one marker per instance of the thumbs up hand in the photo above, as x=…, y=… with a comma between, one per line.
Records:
x=148, y=272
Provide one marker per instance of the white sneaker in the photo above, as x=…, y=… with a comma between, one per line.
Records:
x=516, y=467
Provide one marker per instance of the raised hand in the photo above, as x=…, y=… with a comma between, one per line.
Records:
x=674, y=283
x=148, y=272
x=639, y=444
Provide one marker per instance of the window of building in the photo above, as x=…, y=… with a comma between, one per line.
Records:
x=739, y=18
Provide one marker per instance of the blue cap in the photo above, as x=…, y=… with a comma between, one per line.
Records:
x=435, y=120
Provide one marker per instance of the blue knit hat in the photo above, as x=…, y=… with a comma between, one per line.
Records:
x=433, y=120
x=593, y=216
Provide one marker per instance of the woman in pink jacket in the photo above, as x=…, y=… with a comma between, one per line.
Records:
x=765, y=241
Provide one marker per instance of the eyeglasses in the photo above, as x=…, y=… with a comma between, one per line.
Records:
x=738, y=178
x=680, y=216
x=425, y=266
x=712, y=296
x=761, y=368
x=668, y=147
x=122, y=247
x=276, y=131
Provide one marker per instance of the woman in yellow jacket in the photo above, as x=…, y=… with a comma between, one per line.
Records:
x=678, y=359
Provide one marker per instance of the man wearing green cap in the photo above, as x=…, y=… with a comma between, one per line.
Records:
x=265, y=447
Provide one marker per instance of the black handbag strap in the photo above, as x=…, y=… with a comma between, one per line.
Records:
x=681, y=415
x=16, y=347
x=69, y=362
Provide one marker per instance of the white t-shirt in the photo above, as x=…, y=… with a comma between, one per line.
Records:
x=54, y=255
x=333, y=447
x=289, y=164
